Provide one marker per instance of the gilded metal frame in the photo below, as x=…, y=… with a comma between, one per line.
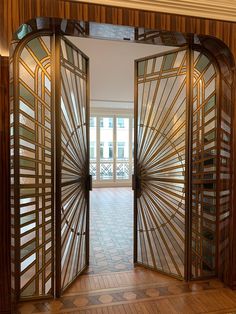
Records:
x=217, y=76
x=188, y=166
x=135, y=182
x=56, y=163
x=59, y=290
x=16, y=186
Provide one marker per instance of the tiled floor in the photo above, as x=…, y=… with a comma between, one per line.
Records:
x=111, y=230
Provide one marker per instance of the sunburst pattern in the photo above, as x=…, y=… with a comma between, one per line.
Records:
x=161, y=162
x=74, y=162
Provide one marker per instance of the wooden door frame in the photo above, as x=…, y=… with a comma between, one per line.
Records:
x=14, y=13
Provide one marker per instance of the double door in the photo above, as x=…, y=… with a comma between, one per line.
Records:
x=175, y=118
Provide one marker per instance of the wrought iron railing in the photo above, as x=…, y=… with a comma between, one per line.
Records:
x=104, y=170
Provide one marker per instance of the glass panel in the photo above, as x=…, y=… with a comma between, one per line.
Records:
x=111, y=31
x=169, y=61
x=161, y=125
x=106, y=148
x=204, y=170
x=35, y=173
x=122, y=148
x=38, y=48
x=202, y=62
x=74, y=154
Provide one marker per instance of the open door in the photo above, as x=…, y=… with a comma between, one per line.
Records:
x=159, y=162
x=50, y=165
x=72, y=164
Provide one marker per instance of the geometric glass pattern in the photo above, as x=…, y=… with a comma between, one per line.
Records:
x=74, y=162
x=33, y=166
x=204, y=167
x=160, y=161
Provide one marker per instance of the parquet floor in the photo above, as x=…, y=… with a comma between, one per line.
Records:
x=106, y=288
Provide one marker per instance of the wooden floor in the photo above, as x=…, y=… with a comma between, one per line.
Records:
x=131, y=289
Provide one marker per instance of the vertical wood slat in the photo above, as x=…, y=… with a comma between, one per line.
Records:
x=13, y=13
x=5, y=262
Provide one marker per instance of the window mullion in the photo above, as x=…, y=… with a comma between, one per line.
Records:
x=130, y=148
x=98, y=148
x=114, y=147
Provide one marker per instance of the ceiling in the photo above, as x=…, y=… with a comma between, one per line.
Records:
x=111, y=67
x=214, y=9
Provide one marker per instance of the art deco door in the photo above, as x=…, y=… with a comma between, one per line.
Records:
x=50, y=165
x=72, y=165
x=178, y=192
x=160, y=158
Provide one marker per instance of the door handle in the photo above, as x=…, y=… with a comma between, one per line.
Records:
x=89, y=183
x=136, y=185
x=133, y=182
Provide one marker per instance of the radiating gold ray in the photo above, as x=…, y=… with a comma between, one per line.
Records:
x=160, y=164
x=73, y=164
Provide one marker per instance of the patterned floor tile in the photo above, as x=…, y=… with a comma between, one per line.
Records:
x=111, y=234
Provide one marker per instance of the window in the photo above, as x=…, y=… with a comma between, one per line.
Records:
x=120, y=123
x=110, y=123
x=102, y=150
x=92, y=150
x=110, y=149
x=121, y=150
x=92, y=122
x=93, y=146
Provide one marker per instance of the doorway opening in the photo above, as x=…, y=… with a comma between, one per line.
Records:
x=182, y=162
x=112, y=149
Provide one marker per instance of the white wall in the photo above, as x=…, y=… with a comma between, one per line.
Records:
x=112, y=69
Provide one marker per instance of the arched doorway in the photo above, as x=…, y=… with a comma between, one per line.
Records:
x=193, y=219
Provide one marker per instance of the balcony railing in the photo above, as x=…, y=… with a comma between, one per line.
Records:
x=108, y=170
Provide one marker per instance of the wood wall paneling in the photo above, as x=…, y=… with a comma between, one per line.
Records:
x=5, y=272
x=15, y=12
